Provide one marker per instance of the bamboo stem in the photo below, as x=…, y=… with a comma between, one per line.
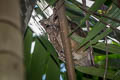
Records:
x=11, y=52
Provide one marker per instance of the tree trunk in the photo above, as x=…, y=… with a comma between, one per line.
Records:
x=11, y=51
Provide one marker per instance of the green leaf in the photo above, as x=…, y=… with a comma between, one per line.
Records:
x=113, y=61
x=27, y=48
x=64, y=76
x=96, y=29
x=96, y=72
x=49, y=47
x=77, y=38
x=117, y=75
x=99, y=27
x=111, y=47
x=39, y=11
x=73, y=9
x=51, y=2
x=101, y=36
x=53, y=71
x=39, y=61
x=75, y=13
x=113, y=13
x=79, y=75
x=84, y=78
x=95, y=6
x=110, y=56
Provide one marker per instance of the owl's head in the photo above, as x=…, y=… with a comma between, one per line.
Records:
x=45, y=23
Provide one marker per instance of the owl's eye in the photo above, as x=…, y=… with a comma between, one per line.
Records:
x=55, y=18
x=47, y=26
x=61, y=51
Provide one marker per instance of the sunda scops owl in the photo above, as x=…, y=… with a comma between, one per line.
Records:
x=52, y=27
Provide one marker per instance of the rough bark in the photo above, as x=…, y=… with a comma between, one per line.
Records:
x=65, y=40
x=11, y=51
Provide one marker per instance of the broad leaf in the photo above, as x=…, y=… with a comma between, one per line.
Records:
x=53, y=71
x=27, y=48
x=49, y=47
x=111, y=48
x=96, y=72
x=39, y=62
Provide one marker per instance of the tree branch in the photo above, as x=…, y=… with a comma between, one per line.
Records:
x=65, y=40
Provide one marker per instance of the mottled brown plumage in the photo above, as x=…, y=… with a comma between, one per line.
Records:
x=52, y=27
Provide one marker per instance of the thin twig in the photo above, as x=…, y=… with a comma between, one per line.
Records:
x=94, y=13
x=106, y=61
x=91, y=49
x=88, y=26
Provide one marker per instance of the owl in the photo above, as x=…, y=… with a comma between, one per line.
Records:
x=52, y=27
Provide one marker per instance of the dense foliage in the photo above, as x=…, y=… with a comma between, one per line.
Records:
x=43, y=63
